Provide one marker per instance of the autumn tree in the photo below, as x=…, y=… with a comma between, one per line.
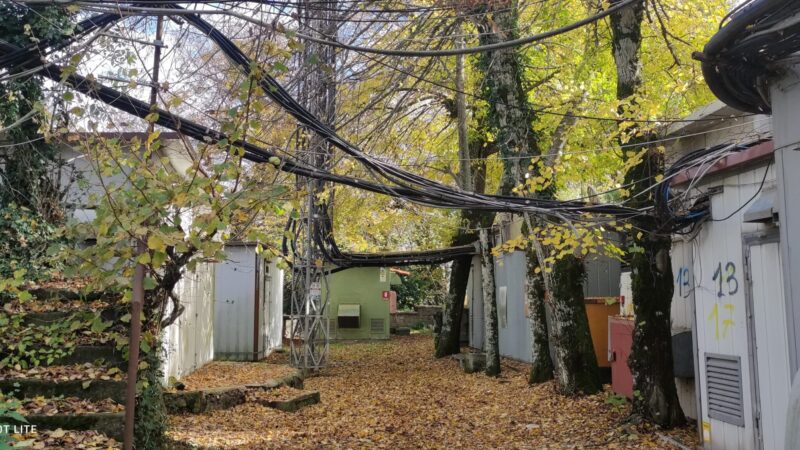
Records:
x=511, y=122
x=651, y=270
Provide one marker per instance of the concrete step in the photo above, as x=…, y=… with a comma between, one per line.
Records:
x=204, y=400
x=85, y=389
x=110, y=424
x=83, y=354
x=293, y=404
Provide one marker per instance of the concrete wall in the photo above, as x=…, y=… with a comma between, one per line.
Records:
x=362, y=286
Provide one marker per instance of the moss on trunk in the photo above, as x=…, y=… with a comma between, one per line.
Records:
x=651, y=352
x=491, y=334
x=542, y=367
x=576, y=364
x=448, y=341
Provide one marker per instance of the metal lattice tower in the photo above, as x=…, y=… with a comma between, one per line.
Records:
x=309, y=317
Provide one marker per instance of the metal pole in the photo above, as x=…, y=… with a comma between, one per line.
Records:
x=137, y=300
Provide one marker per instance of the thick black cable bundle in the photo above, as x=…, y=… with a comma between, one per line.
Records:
x=409, y=186
x=422, y=190
x=738, y=59
x=406, y=185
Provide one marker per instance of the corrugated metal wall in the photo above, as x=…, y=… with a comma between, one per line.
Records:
x=188, y=343
x=234, y=308
x=512, y=313
x=239, y=278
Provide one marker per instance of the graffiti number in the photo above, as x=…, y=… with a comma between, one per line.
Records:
x=726, y=277
x=684, y=289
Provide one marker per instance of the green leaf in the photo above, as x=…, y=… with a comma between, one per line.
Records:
x=154, y=242
x=98, y=325
x=149, y=283
x=86, y=384
x=13, y=415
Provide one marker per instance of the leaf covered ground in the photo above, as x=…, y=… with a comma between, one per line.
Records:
x=395, y=394
x=86, y=371
x=229, y=373
x=66, y=440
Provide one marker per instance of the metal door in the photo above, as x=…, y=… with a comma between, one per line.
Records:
x=768, y=343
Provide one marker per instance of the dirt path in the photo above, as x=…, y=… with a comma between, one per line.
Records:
x=396, y=395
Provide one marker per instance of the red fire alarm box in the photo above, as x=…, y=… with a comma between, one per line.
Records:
x=385, y=295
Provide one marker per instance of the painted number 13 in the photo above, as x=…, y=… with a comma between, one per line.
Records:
x=727, y=279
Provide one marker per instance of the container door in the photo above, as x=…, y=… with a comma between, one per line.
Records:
x=768, y=341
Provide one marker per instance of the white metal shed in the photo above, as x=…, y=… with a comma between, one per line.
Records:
x=729, y=289
x=248, y=314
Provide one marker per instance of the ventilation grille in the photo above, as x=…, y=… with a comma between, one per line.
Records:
x=376, y=326
x=724, y=388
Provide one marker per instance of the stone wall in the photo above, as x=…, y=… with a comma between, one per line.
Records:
x=420, y=315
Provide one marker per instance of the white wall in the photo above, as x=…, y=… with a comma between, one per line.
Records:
x=275, y=314
x=188, y=343
x=721, y=311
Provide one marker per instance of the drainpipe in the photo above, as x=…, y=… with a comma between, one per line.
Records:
x=256, y=309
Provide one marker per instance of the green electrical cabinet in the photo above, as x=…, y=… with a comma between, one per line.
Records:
x=358, y=306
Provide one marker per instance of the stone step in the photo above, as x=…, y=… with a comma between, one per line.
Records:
x=110, y=424
x=472, y=362
x=293, y=404
x=83, y=354
x=48, y=317
x=84, y=389
x=204, y=400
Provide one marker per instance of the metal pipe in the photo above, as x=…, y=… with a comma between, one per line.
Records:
x=137, y=301
x=256, y=308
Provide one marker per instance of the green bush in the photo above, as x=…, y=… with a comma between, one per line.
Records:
x=25, y=240
x=425, y=286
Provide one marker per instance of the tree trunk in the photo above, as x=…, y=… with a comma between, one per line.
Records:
x=511, y=119
x=491, y=333
x=651, y=353
x=542, y=367
x=575, y=362
x=449, y=339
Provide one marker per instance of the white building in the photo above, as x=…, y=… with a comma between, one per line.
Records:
x=189, y=343
x=729, y=284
